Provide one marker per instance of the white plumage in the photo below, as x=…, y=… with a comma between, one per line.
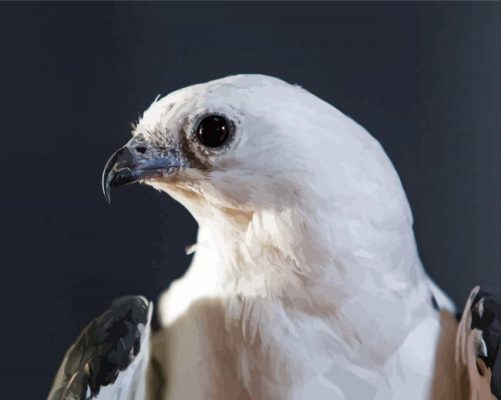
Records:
x=306, y=282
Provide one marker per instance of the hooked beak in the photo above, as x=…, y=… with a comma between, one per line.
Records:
x=131, y=164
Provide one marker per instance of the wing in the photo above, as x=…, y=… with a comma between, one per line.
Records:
x=478, y=342
x=109, y=359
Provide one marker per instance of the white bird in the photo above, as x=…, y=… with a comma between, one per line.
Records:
x=306, y=282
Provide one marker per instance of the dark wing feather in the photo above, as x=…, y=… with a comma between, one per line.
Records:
x=104, y=349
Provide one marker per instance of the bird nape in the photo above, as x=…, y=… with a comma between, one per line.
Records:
x=306, y=282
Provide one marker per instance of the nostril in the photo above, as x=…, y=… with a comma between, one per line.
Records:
x=141, y=149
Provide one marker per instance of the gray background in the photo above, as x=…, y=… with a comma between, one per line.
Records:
x=423, y=78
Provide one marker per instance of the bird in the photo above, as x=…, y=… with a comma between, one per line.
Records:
x=306, y=280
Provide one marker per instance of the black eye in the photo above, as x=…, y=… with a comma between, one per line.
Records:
x=213, y=131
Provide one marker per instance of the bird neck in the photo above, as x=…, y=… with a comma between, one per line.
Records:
x=341, y=253
x=346, y=273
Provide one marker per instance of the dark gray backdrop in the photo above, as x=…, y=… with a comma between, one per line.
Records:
x=423, y=78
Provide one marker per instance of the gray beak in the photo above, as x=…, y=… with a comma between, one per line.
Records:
x=135, y=162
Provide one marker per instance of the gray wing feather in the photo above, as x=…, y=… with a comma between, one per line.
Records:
x=108, y=361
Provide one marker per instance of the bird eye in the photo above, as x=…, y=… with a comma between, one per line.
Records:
x=213, y=131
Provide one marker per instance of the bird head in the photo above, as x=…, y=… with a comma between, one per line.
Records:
x=252, y=142
x=221, y=143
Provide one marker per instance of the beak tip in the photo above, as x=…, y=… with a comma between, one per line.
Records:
x=108, y=175
x=107, y=192
x=106, y=188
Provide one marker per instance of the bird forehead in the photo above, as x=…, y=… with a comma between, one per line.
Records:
x=220, y=93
